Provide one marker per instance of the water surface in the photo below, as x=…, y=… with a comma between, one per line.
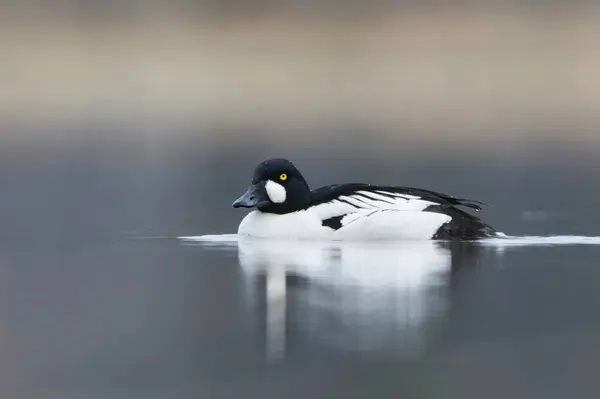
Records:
x=99, y=298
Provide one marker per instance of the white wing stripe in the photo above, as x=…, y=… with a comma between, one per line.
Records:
x=354, y=201
x=377, y=196
x=405, y=196
x=375, y=203
x=361, y=201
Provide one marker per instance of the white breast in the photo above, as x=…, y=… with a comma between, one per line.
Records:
x=297, y=225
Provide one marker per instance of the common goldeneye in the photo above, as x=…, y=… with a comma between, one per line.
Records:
x=285, y=207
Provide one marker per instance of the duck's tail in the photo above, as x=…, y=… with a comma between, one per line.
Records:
x=463, y=225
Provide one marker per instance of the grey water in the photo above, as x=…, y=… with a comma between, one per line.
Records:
x=99, y=299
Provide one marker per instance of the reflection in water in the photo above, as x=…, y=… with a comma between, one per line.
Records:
x=353, y=296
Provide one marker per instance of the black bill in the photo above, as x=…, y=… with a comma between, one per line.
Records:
x=254, y=197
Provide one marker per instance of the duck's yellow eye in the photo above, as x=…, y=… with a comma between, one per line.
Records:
x=283, y=176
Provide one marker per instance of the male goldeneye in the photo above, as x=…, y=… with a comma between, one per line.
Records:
x=285, y=207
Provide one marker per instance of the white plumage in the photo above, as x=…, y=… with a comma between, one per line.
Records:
x=363, y=218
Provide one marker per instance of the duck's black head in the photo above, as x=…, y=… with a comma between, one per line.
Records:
x=277, y=187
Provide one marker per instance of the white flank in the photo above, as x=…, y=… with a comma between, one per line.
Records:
x=276, y=192
x=390, y=225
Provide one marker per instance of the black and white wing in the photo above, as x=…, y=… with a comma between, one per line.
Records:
x=373, y=196
x=340, y=205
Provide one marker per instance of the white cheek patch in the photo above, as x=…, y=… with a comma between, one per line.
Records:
x=276, y=192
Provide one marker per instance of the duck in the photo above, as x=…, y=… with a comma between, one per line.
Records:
x=282, y=206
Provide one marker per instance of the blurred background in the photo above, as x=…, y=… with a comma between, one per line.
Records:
x=128, y=119
x=461, y=73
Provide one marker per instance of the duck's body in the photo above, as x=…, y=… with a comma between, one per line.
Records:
x=287, y=208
